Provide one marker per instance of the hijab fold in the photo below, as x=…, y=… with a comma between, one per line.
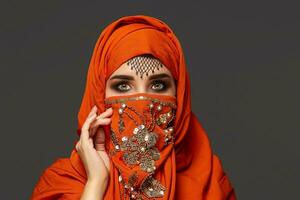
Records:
x=191, y=170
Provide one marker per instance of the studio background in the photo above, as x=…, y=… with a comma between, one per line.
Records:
x=243, y=58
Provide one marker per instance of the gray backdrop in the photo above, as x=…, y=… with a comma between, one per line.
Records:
x=243, y=58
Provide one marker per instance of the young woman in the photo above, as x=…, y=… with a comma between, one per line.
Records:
x=139, y=138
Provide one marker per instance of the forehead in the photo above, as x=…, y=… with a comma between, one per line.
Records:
x=141, y=67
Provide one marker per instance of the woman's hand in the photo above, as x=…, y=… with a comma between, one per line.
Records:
x=91, y=148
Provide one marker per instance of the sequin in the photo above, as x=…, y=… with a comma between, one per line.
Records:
x=123, y=105
x=120, y=178
x=164, y=118
x=151, y=105
x=159, y=107
x=152, y=188
x=135, y=131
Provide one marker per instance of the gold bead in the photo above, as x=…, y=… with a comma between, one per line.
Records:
x=123, y=105
x=159, y=107
x=120, y=178
x=135, y=131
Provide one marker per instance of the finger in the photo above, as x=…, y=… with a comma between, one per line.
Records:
x=100, y=147
x=106, y=114
x=92, y=130
x=100, y=136
x=85, y=134
x=91, y=142
x=93, y=110
x=99, y=140
x=88, y=121
x=77, y=146
x=98, y=122
x=100, y=117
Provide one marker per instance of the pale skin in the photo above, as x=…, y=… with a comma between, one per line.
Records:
x=90, y=146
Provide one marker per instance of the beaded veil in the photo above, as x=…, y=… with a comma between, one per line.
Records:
x=142, y=126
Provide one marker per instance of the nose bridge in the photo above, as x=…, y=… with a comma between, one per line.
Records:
x=141, y=85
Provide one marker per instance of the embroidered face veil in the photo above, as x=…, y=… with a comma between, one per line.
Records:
x=142, y=126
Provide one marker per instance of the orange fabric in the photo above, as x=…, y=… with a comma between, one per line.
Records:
x=190, y=169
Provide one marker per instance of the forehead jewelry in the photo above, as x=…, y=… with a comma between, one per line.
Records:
x=143, y=64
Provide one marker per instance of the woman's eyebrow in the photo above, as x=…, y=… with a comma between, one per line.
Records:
x=125, y=77
x=131, y=78
x=157, y=76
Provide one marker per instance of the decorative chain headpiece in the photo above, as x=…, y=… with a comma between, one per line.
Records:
x=143, y=64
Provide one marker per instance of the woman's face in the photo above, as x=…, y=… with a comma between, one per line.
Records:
x=125, y=81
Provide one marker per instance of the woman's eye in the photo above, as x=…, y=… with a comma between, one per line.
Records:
x=158, y=86
x=122, y=87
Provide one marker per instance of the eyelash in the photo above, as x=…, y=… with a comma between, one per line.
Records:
x=117, y=86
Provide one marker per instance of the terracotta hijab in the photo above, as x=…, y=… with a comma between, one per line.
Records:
x=190, y=169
